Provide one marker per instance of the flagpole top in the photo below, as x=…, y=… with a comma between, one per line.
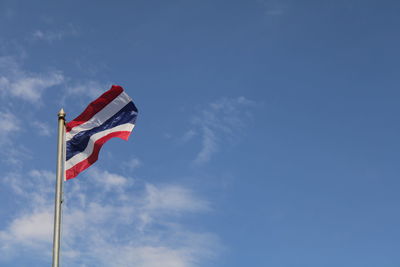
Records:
x=61, y=113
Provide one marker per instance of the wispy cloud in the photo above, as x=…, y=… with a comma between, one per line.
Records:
x=189, y=135
x=42, y=128
x=218, y=122
x=274, y=7
x=32, y=226
x=132, y=164
x=109, y=181
x=47, y=36
x=91, y=89
x=9, y=124
x=31, y=229
x=172, y=198
x=79, y=90
x=53, y=35
x=16, y=82
x=14, y=154
x=138, y=224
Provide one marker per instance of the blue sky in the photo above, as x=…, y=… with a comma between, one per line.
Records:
x=267, y=132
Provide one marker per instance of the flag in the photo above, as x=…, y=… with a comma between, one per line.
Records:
x=113, y=114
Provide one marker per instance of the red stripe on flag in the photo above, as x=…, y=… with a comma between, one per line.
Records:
x=84, y=164
x=95, y=106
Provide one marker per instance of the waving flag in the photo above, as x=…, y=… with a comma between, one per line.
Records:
x=113, y=114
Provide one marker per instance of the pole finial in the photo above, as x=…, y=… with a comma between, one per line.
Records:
x=61, y=113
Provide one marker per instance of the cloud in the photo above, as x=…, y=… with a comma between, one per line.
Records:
x=45, y=177
x=172, y=198
x=15, y=82
x=42, y=128
x=47, y=36
x=218, y=122
x=8, y=123
x=132, y=164
x=101, y=228
x=209, y=146
x=191, y=248
x=31, y=88
x=11, y=152
x=14, y=154
x=79, y=90
x=33, y=223
x=29, y=229
x=274, y=7
x=24, y=85
x=189, y=135
x=37, y=185
x=52, y=36
x=108, y=180
x=91, y=89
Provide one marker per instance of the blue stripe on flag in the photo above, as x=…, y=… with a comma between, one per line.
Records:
x=80, y=141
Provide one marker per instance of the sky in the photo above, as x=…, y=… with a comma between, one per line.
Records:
x=267, y=134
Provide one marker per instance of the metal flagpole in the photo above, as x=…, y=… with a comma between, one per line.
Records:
x=59, y=184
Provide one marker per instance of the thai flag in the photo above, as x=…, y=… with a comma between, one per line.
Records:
x=113, y=114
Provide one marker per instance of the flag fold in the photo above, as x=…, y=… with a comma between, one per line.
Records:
x=113, y=114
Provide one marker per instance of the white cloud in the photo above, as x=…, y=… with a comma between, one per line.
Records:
x=91, y=89
x=8, y=123
x=107, y=179
x=274, y=7
x=42, y=128
x=15, y=82
x=33, y=224
x=14, y=154
x=132, y=164
x=209, y=146
x=31, y=87
x=30, y=229
x=218, y=122
x=42, y=177
x=187, y=254
x=13, y=181
x=24, y=85
x=102, y=229
x=79, y=90
x=172, y=198
x=189, y=135
x=148, y=256
x=47, y=36
x=52, y=36
x=39, y=180
x=9, y=126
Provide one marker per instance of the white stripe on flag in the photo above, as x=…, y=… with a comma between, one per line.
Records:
x=102, y=116
x=89, y=148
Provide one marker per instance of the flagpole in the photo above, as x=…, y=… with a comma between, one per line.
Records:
x=59, y=183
